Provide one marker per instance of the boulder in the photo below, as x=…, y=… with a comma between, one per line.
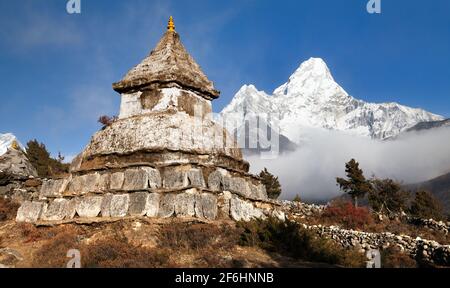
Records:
x=119, y=205
x=138, y=204
x=206, y=206
x=89, y=206
x=30, y=211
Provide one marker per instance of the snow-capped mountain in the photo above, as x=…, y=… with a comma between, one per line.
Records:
x=6, y=140
x=312, y=99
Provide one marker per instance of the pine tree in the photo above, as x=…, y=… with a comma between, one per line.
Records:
x=426, y=206
x=272, y=184
x=46, y=166
x=356, y=184
x=387, y=196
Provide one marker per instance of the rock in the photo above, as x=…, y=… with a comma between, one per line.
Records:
x=237, y=185
x=167, y=205
x=53, y=188
x=135, y=179
x=153, y=204
x=76, y=185
x=119, y=205
x=91, y=182
x=138, y=204
x=242, y=210
x=106, y=205
x=223, y=203
x=32, y=182
x=116, y=181
x=154, y=177
x=206, y=206
x=215, y=181
x=258, y=191
x=102, y=184
x=175, y=179
x=71, y=208
x=89, y=206
x=30, y=211
x=57, y=210
x=195, y=178
x=185, y=204
x=16, y=164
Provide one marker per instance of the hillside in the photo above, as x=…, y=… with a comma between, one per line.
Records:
x=439, y=186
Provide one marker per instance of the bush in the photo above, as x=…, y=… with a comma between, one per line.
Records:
x=292, y=240
x=8, y=209
x=346, y=215
x=107, y=120
x=118, y=253
x=392, y=257
x=46, y=166
x=387, y=196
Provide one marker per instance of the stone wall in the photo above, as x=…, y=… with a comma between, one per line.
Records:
x=182, y=191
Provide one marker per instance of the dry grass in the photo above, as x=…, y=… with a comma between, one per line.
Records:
x=8, y=209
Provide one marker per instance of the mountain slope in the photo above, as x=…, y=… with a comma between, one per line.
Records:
x=312, y=99
x=439, y=187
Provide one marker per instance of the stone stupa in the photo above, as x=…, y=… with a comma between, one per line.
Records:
x=164, y=156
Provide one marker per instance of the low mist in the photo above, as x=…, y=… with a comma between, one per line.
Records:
x=312, y=169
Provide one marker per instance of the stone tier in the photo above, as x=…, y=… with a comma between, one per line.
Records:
x=182, y=191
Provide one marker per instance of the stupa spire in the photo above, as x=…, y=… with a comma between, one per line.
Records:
x=171, y=25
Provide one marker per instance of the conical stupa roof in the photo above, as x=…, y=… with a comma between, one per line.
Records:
x=168, y=62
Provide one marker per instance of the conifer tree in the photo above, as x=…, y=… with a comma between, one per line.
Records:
x=387, y=196
x=426, y=206
x=272, y=184
x=356, y=184
x=45, y=165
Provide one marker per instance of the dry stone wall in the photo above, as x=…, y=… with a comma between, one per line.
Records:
x=181, y=191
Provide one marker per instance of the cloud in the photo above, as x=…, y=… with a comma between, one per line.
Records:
x=311, y=170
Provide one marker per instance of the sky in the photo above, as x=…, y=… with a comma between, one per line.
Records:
x=56, y=69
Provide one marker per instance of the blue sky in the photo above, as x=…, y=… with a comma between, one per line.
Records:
x=56, y=69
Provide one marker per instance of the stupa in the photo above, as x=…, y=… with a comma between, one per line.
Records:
x=163, y=157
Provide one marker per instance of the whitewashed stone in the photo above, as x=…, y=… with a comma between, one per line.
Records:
x=185, y=204
x=90, y=182
x=167, y=205
x=153, y=204
x=89, y=206
x=30, y=211
x=76, y=185
x=71, y=208
x=116, y=181
x=56, y=211
x=119, y=205
x=53, y=188
x=154, y=177
x=106, y=205
x=138, y=204
x=135, y=179
x=206, y=206
x=102, y=182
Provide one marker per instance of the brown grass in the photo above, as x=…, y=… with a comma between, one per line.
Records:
x=8, y=209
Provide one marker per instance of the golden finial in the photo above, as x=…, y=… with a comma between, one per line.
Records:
x=15, y=145
x=171, y=25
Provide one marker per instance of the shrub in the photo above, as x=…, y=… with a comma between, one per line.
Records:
x=426, y=206
x=292, y=240
x=107, y=120
x=347, y=215
x=118, y=253
x=392, y=257
x=8, y=209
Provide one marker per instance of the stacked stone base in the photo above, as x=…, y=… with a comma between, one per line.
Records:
x=173, y=191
